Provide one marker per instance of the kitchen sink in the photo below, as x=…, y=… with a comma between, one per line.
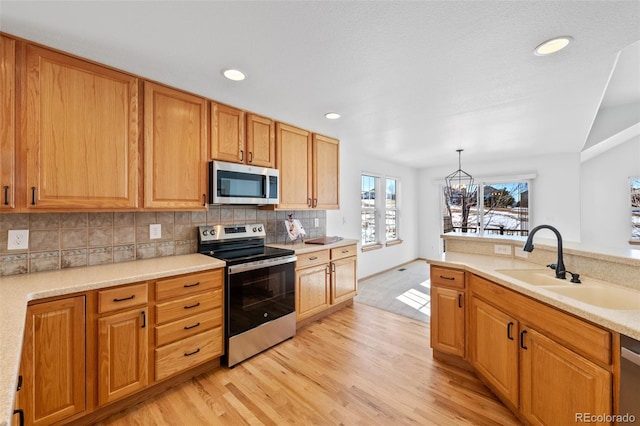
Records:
x=537, y=277
x=605, y=297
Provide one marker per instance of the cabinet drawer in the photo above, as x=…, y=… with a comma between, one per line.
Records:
x=342, y=252
x=117, y=298
x=186, y=353
x=447, y=277
x=189, y=326
x=186, y=306
x=313, y=258
x=187, y=285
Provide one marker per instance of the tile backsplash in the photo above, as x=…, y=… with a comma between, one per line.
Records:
x=67, y=240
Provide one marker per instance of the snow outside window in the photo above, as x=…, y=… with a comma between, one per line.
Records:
x=496, y=208
x=635, y=210
x=369, y=187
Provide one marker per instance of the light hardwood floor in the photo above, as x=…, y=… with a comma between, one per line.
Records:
x=359, y=366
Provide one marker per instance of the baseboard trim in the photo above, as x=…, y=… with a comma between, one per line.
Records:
x=392, y=268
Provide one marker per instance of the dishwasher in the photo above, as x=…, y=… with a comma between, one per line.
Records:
x=629, y=378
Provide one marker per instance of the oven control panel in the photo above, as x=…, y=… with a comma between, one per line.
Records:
x=225, y=232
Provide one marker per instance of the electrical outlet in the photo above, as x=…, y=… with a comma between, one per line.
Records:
x=155, y=231
x=18, y=239
x=316, y=222
x=502, y=249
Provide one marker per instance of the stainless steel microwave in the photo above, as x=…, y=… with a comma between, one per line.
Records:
x=231, y=183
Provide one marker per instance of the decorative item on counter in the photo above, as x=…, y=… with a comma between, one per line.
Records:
x=294, y=229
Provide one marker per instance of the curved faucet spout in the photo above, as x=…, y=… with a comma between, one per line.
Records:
x=528, y=246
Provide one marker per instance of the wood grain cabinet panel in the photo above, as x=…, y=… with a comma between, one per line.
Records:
x=447, y=320
x=7, y=123
x=313, y=183
x=228, y=134
x=175, y=148
x=261, y=141
x=81, y=134
x=313, y=290
x=343, y=279
x=53, y=361
x=557, y=383
x=123, y=354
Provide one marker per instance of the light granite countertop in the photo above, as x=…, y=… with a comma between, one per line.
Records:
x=626, y=322
x=16, y=291
x=302, y=248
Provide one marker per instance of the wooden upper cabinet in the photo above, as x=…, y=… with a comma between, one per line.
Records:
x=81, y=133
x=326, y=167
x=227, y=138
x=175, y=149
x=293, y=159
x=7, y=122
x=261, y=141
x=240, y=137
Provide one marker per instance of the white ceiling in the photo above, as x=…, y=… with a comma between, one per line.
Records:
x=413, y=81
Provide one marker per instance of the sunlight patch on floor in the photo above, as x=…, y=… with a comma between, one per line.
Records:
x=417, y=300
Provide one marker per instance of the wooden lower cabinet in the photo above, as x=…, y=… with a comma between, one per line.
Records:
x=324, y=279
x=536, y=358
x=312, y=290
x=53, y=361
x=123, y=354
x=557, y=384
x=447, y=320
x=494, y=348
x=189, y=320
x=448, y=299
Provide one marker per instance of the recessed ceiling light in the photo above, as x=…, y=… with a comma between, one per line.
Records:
x=332, y=115
x=234, y=75
x=553, y=45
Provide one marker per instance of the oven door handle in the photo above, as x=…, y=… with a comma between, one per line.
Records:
x=244, y=267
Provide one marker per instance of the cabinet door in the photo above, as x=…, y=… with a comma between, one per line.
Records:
x=81, y=141
x=447, y=320
x=261, y=141
x=493, y=341
x=175, y=147
x=293, y=159
x=557, y=384
x=227, y=140
x=53, y=361
x=344, y=283
x=326, y=176
x=312, y=290
x=7, y=122
x=122, y=354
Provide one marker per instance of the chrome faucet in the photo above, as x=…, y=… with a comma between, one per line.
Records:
x=561, y=271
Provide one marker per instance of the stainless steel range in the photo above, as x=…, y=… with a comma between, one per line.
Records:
x=259, y=288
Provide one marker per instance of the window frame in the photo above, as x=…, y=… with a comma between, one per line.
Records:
x=395, y=209
x=375, y=210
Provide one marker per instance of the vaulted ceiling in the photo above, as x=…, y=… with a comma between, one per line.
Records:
x=413, y=80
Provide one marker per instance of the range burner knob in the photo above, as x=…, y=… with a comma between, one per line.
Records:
x=205, y=232
x=254, y=229
x=260, y=229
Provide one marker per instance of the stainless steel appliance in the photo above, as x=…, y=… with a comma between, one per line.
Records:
x=231, y=183
x=629, y=379
x=259, y=290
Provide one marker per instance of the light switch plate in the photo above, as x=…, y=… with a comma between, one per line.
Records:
x=155, y=231
x=18, y=239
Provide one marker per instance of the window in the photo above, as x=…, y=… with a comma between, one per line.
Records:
x=377, y=199
x=391, y=210
x=369, y=188
x=635, y=210
x=496, y=207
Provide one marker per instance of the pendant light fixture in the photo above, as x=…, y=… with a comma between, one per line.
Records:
x=460, y=190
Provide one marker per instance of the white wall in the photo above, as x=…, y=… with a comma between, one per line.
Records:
x=555, y=194
x=605, y=195
x=346, y=221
